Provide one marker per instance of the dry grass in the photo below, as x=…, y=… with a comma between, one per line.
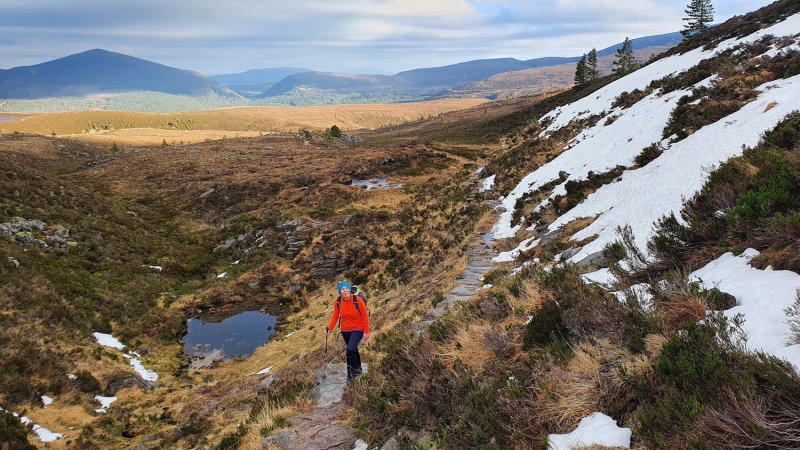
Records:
x=470, y=347
x=584, y=385
x=135, y=128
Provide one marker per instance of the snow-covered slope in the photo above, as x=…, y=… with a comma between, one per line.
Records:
x=642, y=196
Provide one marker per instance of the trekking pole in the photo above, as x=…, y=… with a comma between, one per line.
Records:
x=325, y=359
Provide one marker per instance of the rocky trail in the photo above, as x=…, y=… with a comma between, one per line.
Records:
x=320, y=428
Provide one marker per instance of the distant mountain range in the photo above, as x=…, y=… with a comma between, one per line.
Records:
x=100, y=71
x=427, y=81
x=144, y=85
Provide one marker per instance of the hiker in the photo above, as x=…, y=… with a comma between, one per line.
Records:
x=351, y=311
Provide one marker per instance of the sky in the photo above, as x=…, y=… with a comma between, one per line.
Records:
x=350, y=36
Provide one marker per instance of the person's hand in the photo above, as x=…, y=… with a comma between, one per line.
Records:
x=366, y=337
x=327, y=331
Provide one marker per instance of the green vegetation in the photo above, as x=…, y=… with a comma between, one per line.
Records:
x=13, y=434
x=750, y=201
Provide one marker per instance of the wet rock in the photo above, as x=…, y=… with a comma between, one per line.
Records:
x=283, y=439
x=501, y=209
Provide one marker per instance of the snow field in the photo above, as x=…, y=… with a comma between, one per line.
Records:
x=603, y=147
x=761, y=296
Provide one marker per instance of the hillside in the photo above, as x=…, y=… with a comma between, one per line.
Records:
x=646, y=290
x=539, y=80
x=101, y=72
x=614, y=266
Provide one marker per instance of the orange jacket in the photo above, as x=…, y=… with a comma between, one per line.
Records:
x=352, y=319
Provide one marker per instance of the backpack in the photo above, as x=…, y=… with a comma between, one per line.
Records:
x=357, y=292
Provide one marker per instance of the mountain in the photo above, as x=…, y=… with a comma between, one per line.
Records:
x=435, y=80
x=99, y=71
x=256, y=81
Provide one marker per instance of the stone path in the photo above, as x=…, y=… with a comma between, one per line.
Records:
x=317, y=429
x=479, y=262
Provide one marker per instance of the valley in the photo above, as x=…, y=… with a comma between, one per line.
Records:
x=612, y=265
x=136, y=128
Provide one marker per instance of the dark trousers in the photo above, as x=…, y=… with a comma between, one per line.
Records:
x=352, y=339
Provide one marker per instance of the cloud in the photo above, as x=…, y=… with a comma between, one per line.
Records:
x=216, y=37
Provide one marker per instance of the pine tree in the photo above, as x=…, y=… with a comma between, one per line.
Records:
x=591, y=66
x=699, y=13
x=625, y=62
x=580, y=73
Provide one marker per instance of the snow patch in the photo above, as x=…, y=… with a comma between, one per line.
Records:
x=595, y=429
x=108, y=340
x=47, y=400
x=640, y=292
x=42, y=433
x=602, y=276
x=488, y=183
x=261, y=372
x=105, y=402
x=222, y=275
x=524, y=246
x=761, y=296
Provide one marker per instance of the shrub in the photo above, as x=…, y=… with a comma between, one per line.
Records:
x=336, y=131
x=13, y=434
x=546, y=325
x=87, y=382
x=793, y=320
x=649, y=153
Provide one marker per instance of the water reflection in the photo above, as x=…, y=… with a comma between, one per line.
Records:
x=239, y=335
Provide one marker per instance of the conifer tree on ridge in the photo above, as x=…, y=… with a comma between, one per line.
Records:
x=699, y=13
x=625, y=62
x=580, y=73
x=591, y=66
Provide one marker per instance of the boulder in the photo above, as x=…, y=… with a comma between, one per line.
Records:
x=597, y=259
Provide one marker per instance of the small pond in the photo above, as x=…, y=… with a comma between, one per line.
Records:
x=239, y=335
x=9, y=118
x=376, y=183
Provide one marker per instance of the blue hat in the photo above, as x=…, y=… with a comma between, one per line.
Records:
x=343, y=284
